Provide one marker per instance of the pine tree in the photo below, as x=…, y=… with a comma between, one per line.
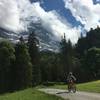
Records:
x=34, y=54
x=7, y=59
x=66, y=55
x=23, y=67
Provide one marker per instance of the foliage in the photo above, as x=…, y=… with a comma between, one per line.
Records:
x=23, y=67
x=92, y=63
x=34, y=54
x=87, y=51
x=7, y=59
x=66, y=52
x=51, y=68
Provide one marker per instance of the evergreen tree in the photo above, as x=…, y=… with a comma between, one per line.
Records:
x=86, y=49
x=92, y=39
x=34, y=54
x=7, y=59
x=70, y=56
x=91, y=63
x=51, y=68
x=66, y=55
x=23, y=67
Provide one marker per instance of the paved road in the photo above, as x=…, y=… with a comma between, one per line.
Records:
x=72, y=96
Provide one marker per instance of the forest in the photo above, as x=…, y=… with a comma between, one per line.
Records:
x=23, y=65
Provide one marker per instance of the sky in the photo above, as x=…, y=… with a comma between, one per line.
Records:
x=71, y=17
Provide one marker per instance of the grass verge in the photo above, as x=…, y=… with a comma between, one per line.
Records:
x=90, y=86
x=28, y=94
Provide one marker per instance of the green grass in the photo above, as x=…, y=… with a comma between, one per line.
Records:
x=28, y=94
x=89, y=87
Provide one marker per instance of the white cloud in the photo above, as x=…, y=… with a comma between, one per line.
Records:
x=53, y=22
x=9, y=15
x=16, y=15
x=84, y=11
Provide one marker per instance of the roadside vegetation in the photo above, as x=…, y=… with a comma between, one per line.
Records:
x=90, y=86
x=29, y=94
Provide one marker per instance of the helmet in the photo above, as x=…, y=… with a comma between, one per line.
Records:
x=70, y=73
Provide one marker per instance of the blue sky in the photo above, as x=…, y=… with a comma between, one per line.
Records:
x=85, y=19
x=59, y=6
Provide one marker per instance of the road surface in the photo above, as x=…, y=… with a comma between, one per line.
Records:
x=72, y=96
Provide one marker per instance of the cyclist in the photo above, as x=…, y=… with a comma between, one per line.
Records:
x=71, y=79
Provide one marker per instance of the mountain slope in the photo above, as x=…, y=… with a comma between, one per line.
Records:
x=45, y=38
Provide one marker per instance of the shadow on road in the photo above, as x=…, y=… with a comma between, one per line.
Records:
x=61, y=92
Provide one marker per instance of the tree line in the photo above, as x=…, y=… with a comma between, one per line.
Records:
x=23, y=65
x=83, y=59
x=18, y=64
